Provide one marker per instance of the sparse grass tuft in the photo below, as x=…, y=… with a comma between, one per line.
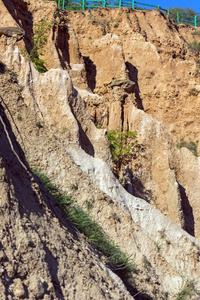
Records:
x=22, y=87
x=73, y=186
x=194, y=47
x=14, y=74
x=187, y=291
x=193, y=92
x=89, y=205
x=39, y=125
x=19, y=118
x=117, y=259
x=157, y=244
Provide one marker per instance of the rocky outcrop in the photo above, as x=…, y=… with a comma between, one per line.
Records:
x=157, y=57
x=42, y=255
x=12, y=32
x=66, y=155
x=53, y=126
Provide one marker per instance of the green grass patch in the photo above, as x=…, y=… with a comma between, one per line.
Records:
x=187, y=291
x=39, y=125
x=117, y=260
x=189, y=145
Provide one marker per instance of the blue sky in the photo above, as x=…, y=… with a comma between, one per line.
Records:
x=184, y=3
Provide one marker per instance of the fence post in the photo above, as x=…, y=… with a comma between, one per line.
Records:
x=195, y=21
x=59, y=3
x=158, y=7
x=120, y=3
x=63, y=4
x=168, y=12
x=104, y=3
x=178, y=17
x=83, y=7
x=133, y=4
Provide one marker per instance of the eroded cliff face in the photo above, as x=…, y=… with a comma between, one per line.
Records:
x=76, y=154
x=158, y=56
x=152, y=51
x=42, y=255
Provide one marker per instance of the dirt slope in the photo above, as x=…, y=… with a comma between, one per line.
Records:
x=42, y=256
x=90, y=50
x=67, y=156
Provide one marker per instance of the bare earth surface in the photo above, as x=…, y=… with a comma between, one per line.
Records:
x=106, y=68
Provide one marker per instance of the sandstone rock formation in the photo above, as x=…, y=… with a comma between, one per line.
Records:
x=155, y=53
x=68, y=146
x=158, y=59
x=68, y=142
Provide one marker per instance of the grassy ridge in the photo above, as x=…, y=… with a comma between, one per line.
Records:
x=118, y=260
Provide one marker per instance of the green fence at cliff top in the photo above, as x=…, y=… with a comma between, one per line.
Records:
x=84, y=4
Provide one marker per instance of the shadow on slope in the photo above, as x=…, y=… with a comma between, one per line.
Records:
x=85, y=142
x=133, y=75
x=91, y=72
x=187, y=211
x=25, y=200
x=61, y=37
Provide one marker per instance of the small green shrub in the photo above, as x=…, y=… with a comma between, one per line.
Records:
x=197, y=73
x=73, y=186
x=122, y=144
x=39, y=125
x=89, y=205
x=158, y=245
x=116, y=25
x=105, y=25
x=19, y=118
x=118, y=260
x=22, y=87
x=189, y=145
x=14, y=74
x=39, y=64
x=194, y=92
x=39, y=40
